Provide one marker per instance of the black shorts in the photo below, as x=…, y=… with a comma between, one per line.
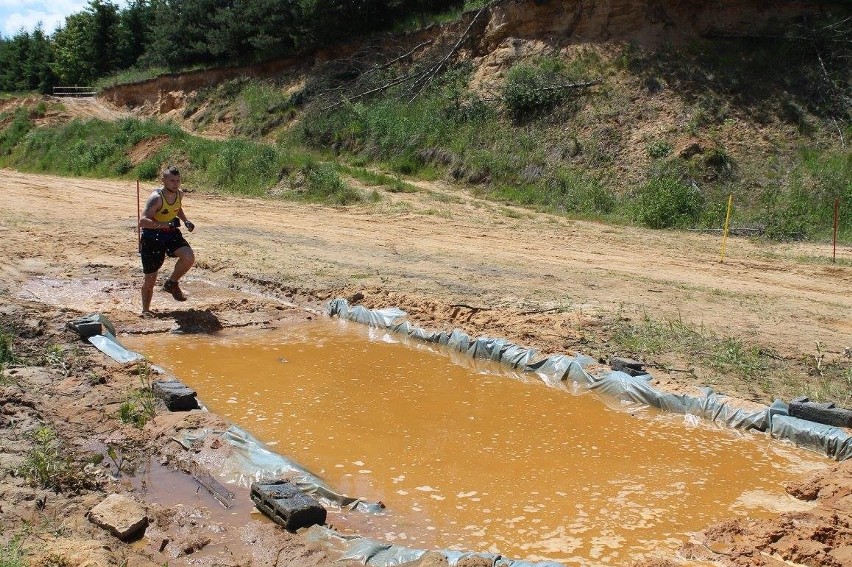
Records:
x=154, y=246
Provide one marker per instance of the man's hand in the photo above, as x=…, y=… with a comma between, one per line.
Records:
x=189, y=225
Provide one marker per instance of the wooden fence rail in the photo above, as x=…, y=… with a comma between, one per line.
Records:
x=74, y=91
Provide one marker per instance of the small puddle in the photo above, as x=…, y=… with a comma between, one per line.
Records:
x=194, y=506
x=471, y=456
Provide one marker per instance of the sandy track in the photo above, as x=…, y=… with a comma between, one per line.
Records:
x=459, y=252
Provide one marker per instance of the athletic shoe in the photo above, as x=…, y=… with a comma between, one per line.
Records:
x=174, y=289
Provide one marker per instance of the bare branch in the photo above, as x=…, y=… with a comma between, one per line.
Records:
x=430, y=74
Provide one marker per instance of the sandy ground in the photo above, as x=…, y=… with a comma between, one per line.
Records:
x=68, y=248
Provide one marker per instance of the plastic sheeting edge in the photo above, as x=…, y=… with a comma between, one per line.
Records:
x=831, y=441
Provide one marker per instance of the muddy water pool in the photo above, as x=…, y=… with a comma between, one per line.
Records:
x=472, y=456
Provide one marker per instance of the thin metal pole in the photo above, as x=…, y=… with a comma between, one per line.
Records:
x=725, y=232
x=138, y=217
x=834, y=239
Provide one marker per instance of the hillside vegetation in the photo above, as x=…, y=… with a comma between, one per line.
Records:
x=653, y=119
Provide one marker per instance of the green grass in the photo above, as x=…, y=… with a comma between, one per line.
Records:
x=649, y=338
x=90, y=147
x=95, y=148
x=256, y=108
x=667, y=202
x=12, y=553
x=14, y=132
x=415, y=22
x=561, y=151
x=7, y=356
x=732, y=362
x=140, y=405
x=370, y=178
x=46, y=465
x=138, y=75
x=322, y=184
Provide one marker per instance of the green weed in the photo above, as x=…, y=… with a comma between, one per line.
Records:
x=60, y=358
x=135, y=75
x=6, y=354
x=12, y=553
x=806, y=207
x=725, y=355
x=729, y=360
x=830, y=381
x=370, y=178
x=148, y=170
x=261, y=107
x=323, y=184
x=730, y=354
x=141, y=404
x=659, y=149
x=45, y=466
x=532, y=89
x=85, y=147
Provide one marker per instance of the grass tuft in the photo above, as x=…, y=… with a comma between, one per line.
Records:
x=46, y=466
x=12, y=553
x=141, y=404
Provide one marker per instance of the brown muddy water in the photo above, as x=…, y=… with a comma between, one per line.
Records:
x=471, y=456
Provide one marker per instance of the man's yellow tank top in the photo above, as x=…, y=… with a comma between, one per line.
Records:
x=167, y=212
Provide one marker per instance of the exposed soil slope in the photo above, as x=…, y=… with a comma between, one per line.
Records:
x=556, y=22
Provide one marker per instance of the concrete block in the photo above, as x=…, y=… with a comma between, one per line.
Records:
x=627, y=365
x=286, y=505
x=826, y=413
x=175, y=394
x=91, y=325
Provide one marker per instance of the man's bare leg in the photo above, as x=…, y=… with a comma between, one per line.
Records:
x=148, y=291
x=186, y=259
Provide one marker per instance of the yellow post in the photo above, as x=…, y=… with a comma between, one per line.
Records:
x=725, y=232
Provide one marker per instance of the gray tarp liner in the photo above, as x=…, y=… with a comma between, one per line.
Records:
x=107, y=344
x=831, y=441
x=251, y=461
x=378, y=554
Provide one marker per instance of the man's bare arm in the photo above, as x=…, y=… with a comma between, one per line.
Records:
x=151, y=207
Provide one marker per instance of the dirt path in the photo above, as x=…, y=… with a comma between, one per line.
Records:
x=68, y=247
x=428, y=251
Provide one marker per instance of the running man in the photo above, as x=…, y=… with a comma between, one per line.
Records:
x=161, y=236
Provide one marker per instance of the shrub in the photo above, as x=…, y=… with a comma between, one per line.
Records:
x=576, y=193
x=659, y=149
x=805, y=207
x=148, y=170
x=666, y=202
x=261, y=107
x=323, y=184
x=718, y=160
x=15, y=131
x=122, y=167
x=529, y=90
